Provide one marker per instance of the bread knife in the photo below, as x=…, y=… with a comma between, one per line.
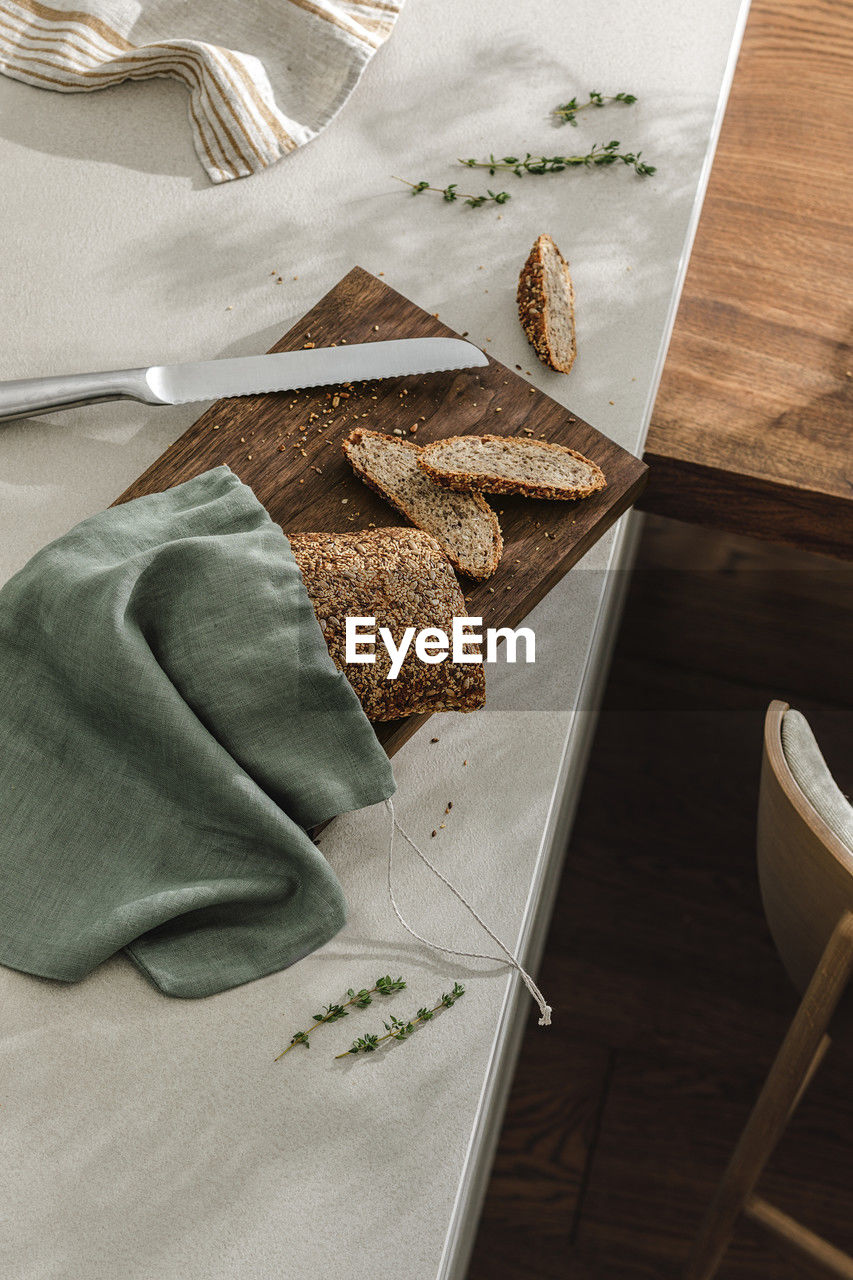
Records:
x=241, y=376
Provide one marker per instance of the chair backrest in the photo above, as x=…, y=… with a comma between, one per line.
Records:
x=805, y=869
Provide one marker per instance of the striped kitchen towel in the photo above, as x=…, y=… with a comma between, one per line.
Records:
x=298, y=62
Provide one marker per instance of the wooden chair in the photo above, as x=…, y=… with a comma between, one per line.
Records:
x=806, y=875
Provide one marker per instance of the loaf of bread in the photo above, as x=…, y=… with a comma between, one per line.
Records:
x=401, y=578
x=546, y=305
x=510, y=464
x=464, y=525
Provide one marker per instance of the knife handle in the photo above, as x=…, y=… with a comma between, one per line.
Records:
x=30, y=396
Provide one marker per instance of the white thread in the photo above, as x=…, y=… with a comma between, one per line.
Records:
x=544, y=1009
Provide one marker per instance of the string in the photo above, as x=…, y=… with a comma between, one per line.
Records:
x=511, y=960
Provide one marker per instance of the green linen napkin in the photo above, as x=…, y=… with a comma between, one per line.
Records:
x=170, y=723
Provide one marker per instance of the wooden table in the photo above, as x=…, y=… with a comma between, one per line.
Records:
x=751, y=429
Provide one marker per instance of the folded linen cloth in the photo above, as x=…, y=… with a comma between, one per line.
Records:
x=300, y=61
x=170, y=723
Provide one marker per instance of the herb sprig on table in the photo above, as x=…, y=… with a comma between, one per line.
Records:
x=567, y=112
x=397, y=1029
x=357, y=999
x=605, y=154
x=450, y=193
x=600, y=155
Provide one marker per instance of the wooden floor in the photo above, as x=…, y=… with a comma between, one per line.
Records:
x=670, y=998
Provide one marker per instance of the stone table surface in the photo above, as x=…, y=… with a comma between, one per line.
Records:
x=148, y=1137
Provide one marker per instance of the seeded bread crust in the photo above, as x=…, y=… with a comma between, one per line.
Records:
x=465, y=481
x=401, y=578
x=493, y=560
x=535, y=303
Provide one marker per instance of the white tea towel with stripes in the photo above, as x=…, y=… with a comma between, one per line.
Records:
x=263, y=77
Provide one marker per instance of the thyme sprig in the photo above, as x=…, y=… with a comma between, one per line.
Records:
x=357, y=999
x=567, y=112
x=397, y=1029
x=599, y=155
x=450, y=193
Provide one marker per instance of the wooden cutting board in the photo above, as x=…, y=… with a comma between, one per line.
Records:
x=286, y=446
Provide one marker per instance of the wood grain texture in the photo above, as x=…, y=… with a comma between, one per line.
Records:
x=658, y=957
x=287, y=447
x=751, y=429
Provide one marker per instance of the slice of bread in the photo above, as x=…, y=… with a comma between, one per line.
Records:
x=464, y=525
x=510, y=464
x=546, y=305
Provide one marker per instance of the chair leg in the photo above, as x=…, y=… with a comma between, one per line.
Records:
x=814, y=1065
x=801, y=1052
x=817, y=1254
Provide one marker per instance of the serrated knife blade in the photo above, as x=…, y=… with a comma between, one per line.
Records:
x=314, y=367
x=241, y=375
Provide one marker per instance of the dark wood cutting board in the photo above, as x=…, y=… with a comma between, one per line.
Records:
x=286, y=446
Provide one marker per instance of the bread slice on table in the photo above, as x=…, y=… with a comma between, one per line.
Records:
x=464, y=525
x=402, y=578
x=546, y=305
x=510, y=464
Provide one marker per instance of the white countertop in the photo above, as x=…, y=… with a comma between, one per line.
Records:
x=150, y=1137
